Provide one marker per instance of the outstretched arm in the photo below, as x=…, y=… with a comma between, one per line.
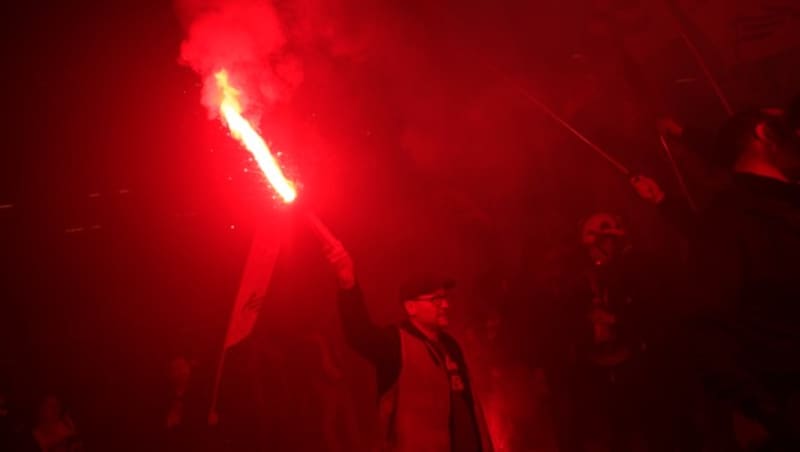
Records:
x=378, y=344
x=676, y=211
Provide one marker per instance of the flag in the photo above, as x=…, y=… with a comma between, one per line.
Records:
x=254, y=284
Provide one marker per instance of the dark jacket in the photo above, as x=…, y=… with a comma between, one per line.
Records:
x=640, y=293
x=745, y=263
x=381, y=345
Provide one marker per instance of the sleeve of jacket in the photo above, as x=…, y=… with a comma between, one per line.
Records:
x=717, y=266
x=380, y=345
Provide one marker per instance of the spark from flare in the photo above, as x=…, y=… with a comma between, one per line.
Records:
x=242, y=130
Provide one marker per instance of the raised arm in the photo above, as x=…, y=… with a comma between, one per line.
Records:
x=379, y=344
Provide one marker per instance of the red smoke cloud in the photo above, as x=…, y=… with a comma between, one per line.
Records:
x=429, y=75
x=246, y=37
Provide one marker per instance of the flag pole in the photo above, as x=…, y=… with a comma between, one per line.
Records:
x=678, y=173
x=212, y=410
x=636, y=80
x=698, y=57
x=552, y=114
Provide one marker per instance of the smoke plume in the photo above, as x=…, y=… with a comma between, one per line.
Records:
x=248, y=39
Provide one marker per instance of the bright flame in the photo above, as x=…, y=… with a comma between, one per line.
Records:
x=242, y=130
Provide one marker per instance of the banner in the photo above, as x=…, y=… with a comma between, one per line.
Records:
x=254, y=284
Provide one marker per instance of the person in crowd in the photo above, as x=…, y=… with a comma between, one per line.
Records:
x=182, y=418
x=54, y=430
x=339, y=422
x=426, y=402
x=744, y=271
x=606, y=344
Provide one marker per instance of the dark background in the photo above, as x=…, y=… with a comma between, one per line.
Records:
x=130, y=211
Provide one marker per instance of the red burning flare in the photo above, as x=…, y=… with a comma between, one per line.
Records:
x=242, y=130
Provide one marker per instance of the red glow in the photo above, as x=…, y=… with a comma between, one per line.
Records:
x=242, y=130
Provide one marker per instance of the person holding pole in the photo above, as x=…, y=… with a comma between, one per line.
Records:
x=744, y=271
x=426, y=401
